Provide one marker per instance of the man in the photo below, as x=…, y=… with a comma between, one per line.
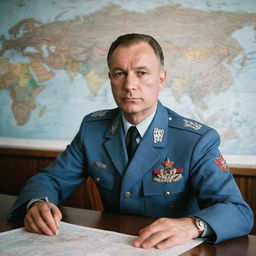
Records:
x=169, y=167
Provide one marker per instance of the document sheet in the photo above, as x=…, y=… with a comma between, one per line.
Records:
x=77, y=240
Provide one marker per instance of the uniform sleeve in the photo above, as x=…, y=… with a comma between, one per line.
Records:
x=57, y=181
x=220, y=201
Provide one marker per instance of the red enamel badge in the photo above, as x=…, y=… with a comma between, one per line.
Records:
x=221, y=162
x=168, y=174
x=167, y=164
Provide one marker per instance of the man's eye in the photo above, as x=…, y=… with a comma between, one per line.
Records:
x=142, y=73
x=117, y=74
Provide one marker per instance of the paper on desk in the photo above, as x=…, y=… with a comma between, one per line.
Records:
x=78, y=240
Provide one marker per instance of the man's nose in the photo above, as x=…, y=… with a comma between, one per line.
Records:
x=130, y=82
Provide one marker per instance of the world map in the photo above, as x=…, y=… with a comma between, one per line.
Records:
x=53, y=68
x=75, y=240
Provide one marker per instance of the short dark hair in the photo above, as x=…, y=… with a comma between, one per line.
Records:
x=129, y=39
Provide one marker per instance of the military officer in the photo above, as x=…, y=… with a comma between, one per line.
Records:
x=145, y=159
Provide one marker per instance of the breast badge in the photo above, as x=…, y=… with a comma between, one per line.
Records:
x=168, y=174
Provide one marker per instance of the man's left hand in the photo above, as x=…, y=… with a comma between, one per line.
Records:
x=166, y=232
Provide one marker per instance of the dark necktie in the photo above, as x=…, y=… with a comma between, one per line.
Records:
x=130, y=140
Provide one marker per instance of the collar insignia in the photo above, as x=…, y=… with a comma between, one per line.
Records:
x=158, y=135
x=114, y=126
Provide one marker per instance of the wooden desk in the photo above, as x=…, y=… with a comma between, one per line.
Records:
x=244, y=246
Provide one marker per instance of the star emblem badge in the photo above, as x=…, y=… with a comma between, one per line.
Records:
x=221, y=162
x=168, y=164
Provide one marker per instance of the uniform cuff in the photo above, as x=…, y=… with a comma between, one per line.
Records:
x=29, y=204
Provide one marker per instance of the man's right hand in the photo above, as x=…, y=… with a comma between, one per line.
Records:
x=40, y=219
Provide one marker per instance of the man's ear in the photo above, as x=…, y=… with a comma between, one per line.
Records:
x=162, y=78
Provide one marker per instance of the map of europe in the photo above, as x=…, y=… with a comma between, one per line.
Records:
x=53, y=67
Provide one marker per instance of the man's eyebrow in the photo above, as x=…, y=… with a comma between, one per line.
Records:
x=117, y=68
x=136, y=68
x=142, y=67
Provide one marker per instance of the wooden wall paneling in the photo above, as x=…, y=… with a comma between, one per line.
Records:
x=247, y=186
x=16, y=166
x=15, y=170
x=85, y=196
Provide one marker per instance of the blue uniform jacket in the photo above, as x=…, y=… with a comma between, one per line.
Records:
x=177, y=171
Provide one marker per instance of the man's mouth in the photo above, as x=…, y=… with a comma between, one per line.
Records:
x=130, y=98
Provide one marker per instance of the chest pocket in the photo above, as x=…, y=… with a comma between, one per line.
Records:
x=164, y=199
x=153, y=188
x=102, y=177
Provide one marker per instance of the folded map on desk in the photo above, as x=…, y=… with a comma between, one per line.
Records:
x=78, y=240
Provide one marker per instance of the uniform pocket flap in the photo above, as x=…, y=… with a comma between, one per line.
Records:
x=152, y=188
x=102, y=177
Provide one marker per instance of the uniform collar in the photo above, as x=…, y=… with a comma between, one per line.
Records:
x=141, y=127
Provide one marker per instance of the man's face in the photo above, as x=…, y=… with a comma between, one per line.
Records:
x=136, y=79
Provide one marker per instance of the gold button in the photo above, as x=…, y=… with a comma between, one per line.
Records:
x=127, y=194
x=167, y=193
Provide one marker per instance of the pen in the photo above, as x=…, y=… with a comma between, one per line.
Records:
x=50, y=208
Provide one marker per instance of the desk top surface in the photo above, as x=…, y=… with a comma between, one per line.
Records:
x=128, y=224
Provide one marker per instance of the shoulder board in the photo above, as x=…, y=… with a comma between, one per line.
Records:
x=102, y=114
x=183, y=123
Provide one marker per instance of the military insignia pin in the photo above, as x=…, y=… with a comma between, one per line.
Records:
x=100, y=165
x=114, y=126
x=221, y=162
x=158, y=135
x=192, y=124
x=100, y=113
x=168, y=174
